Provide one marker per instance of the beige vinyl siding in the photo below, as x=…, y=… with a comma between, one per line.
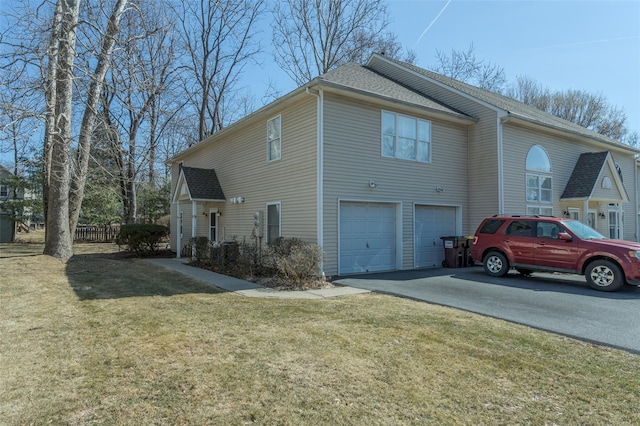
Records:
x=240, y=161
x=352, y=157
x=613, y=193
x=483, y=139
x=563, y=154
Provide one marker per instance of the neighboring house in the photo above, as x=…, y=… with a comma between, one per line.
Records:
x=7, y=226
x=375, y=163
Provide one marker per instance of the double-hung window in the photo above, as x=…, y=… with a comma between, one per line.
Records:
x=274, y=139
x=405, y=137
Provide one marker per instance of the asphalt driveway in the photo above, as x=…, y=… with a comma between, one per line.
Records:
x=562, y=304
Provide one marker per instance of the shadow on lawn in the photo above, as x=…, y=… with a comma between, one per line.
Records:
x=118, y=275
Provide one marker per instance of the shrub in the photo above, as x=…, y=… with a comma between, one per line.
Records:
x=142, y=239
x=202, y=247
x=296, y=261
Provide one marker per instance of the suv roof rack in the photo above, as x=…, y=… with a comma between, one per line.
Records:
x=522, y=215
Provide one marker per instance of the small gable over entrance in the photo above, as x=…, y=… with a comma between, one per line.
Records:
x=595, y=177
x=195, y=184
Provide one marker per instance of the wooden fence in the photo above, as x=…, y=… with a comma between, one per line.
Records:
x=103, y=234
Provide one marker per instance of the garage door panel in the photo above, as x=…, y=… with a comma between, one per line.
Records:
x=431, y=223
x=367, y=237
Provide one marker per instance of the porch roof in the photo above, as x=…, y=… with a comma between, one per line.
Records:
x=199, y=185
x=586, y=174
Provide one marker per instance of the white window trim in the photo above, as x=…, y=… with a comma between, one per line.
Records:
x=395, y=136
x=540, y=207
x=538, y=171
x=526, y=188
x=269, y=159
x=279, y=204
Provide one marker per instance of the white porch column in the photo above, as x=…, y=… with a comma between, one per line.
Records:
x=585, y=214
x=178, y=231
x=194, y=219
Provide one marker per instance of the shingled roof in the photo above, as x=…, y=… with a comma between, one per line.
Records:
x=356, y=77
x=203, y=184
x=585, y=175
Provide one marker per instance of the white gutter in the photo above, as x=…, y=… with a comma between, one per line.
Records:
x=320, y=170
x=635, y=175
x=502, y=118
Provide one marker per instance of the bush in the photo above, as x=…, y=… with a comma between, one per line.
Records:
x=142, y=239
x=296, y=261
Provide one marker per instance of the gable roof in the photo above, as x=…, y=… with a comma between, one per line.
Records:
x=199, y=184
x=512, y=107
x=586, y=173
x=355, y=77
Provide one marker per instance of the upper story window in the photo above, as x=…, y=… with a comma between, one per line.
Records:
x=539, y=188
x=4, y=190
x=406, y=137
x=274, y=139
x=538, y=160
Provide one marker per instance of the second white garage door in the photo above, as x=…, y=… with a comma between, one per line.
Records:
x=367, y=237
x=431, y=223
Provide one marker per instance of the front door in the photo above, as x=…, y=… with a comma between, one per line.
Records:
x=213, y=225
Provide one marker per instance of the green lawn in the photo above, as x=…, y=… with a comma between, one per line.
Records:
x=109, y=340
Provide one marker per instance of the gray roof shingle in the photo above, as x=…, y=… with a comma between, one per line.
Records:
x=357, y=77
x=203, y=184
x=585, y=175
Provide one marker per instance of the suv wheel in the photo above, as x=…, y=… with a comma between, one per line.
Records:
x=495, y=264
x=604, y=275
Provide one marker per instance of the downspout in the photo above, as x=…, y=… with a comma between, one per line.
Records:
x=320, y=170
x=503, y=117
x=635, y=202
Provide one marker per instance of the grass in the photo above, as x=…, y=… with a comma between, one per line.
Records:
x=104, y=339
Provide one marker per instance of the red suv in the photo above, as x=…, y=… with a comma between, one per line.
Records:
x=550, y=244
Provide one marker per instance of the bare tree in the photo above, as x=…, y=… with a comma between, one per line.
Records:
x=133, y=111
x=592, y=111
x=220, y=38
x=465, y=66
x=87, y=126
x=58, y=241
x=311, y=37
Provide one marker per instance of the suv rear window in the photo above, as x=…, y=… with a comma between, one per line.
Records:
x=491, y=226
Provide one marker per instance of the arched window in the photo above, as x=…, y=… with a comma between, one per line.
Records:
x=539, y=188
x=538, y=160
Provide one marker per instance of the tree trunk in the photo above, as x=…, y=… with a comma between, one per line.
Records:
x=58, y=242
x=50, y=101
x=91, y=111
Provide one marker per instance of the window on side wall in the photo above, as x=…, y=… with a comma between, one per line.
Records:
x=4, y=190
x=273, y=222
x=406, y=138
x=539, y=182
x=274, y=139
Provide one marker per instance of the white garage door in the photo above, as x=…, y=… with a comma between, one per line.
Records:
x=431, y=223
x=367, y=237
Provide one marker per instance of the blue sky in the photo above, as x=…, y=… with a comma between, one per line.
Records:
x=586, y=45
x=582, y=45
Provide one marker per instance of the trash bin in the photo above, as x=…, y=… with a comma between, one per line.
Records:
x=467, y=260
x=454, y=251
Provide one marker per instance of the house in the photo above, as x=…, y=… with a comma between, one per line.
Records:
x=376, y=163
x=7, y=226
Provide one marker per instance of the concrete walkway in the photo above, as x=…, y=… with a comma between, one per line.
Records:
x=249, y=289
